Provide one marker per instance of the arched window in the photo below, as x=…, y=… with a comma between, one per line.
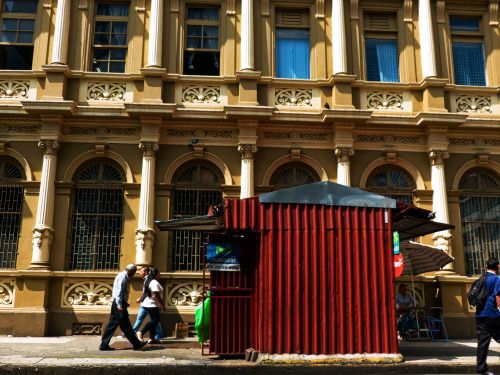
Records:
x=97, y=217
x=480, y=211
x=197, y=186
x=11, y=206
x=393, y=182
x=293, y=174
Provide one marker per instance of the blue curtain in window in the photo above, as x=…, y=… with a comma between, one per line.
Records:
x=382, y=63
x=468, y=61
x=204, y=14
x=292, y=53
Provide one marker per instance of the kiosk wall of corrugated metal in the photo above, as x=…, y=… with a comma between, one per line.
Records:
x=324, y=282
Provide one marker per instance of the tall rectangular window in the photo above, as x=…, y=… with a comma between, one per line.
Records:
x=202, y=46
x=468, y=52
x=110, y=38
x=16, y=34
x=381, y=47
x=292, y=44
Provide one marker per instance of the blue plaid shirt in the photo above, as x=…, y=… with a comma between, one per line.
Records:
x=120, y=289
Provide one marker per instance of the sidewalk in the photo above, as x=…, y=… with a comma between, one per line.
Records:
x=80, y=355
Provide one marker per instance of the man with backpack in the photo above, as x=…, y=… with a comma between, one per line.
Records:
x=488, y=315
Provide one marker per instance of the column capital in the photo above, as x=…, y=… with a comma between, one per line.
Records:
x=49, y=146
x=343, y=154
x=437, y=157
x=148, y=148
x=247, y=150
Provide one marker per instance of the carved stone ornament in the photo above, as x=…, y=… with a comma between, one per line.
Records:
x=437, y=157
x=295, y=152
x=482, y=158
x=198, y=133
x=201, y=94
x=296, y=136
x=14, y=89
x=87, y=329
x=442, y=240
x=390, y=155
x=198, y=150
x=343, y=154
x=474, y=104
x=385, y=100
x=102, y=131
x=293, y=97
x=18, y=129
x=41, y=233
x=87, y=293
x=477, y=141
x=389, y=138
x=50, y=146
x=247, y=150
x=112, y=92
x=493, y=13
x=6, y=293
x=143, y=235
x=408, y=10
x=3, y=145
x=184, y=294
x=149, y=148
x=100, y=148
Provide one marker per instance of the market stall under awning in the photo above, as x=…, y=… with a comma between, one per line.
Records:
x=316, y=273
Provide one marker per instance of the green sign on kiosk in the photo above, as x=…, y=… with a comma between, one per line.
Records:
x=395, y=237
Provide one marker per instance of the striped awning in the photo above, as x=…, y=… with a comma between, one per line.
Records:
x=419, y=258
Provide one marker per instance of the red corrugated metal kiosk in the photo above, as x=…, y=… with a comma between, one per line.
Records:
x=317, y=274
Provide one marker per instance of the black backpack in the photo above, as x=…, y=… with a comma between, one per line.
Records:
x=478, y=294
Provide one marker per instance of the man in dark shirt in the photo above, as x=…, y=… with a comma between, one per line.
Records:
x=488, y=317
x=119, y=312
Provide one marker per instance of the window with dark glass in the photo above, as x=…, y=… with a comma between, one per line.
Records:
x=293, y=174
x=468, y=52
x=197, y=186
x=292, y=44
x=97, y=217
x=480, y=214
x=381, y=47
x=110, y=38
x=16, y=34
x=11, y=206
x=393, y=182
x=202, y=45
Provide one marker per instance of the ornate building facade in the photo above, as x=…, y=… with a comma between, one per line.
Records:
x=114, y=114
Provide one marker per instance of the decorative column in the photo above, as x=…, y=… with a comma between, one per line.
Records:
x=60, y=46
x=442, y=239
x=247, y=41
x=43, y=231
x=155, y=34
x=426, y=39
x=145, y=233
x=247, y=183
x=338, y=35
x=343, y=155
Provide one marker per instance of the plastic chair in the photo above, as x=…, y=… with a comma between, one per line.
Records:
x=435, y=324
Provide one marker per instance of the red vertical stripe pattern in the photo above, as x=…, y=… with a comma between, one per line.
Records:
x=321, y=279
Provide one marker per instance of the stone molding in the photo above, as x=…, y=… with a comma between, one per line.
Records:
x=476, y=141
x=7, y=288
x=389, y=138
x=197, y=133
x=86, y=293
x=18, y=129
x=14, y=89
x=101, y=131
x=293, y=97
x=295, y=136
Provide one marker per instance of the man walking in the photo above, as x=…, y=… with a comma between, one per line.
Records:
x=119, y=312
x=488, y=316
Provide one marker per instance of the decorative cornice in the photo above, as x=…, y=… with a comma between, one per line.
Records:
x=101, y=131
x=50, y=146
x=344, y=154
x=389, y=139
x=437, y=157
x=247, y=151
x=18, y=129
x=149, y=148
x=197, y=133
x=473, y=141
x=295, y=136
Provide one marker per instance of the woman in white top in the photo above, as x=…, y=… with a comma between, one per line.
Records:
x=152, y=303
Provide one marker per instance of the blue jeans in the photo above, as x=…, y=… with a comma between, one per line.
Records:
x=140, y=318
